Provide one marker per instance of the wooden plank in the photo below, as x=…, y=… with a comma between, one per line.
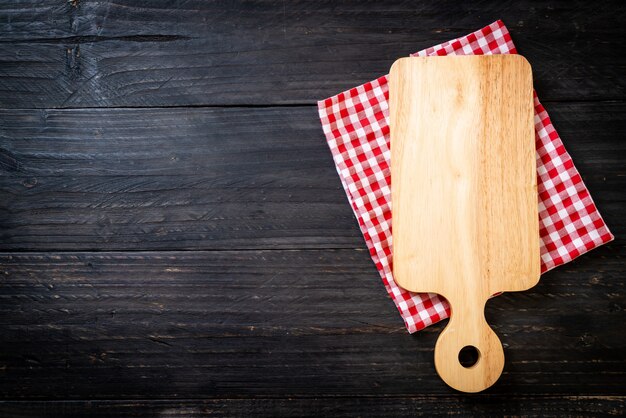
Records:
x=217, y=178
x=480, y=405
x=280, y=323
x=137, y=53
x=185, y=178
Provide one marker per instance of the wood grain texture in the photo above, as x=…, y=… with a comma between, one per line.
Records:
x=464, y=189
x=141, y=53
x=143, y=168
x=181, y=179
x=172, y=179
x=478, y=406
x=247, y=324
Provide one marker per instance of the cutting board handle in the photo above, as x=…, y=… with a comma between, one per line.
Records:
x=468, y=329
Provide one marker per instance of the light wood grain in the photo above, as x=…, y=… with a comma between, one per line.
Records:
x=464, y=195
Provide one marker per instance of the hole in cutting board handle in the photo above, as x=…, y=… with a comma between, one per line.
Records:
x=469, y=356
x=452, y=346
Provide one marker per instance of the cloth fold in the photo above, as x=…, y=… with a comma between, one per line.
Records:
x=356, y=126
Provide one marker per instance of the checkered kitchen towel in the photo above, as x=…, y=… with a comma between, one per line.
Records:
x=357, y=130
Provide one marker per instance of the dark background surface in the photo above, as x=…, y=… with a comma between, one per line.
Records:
x=175, y=240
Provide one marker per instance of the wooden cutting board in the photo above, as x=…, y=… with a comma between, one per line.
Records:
x=464, y=195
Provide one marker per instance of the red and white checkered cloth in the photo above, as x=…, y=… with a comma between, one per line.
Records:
x=357, y=130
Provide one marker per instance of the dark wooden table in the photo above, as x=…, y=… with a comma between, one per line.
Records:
x=175, y=240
